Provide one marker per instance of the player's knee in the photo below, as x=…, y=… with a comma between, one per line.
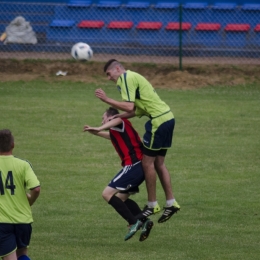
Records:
x=106, y=196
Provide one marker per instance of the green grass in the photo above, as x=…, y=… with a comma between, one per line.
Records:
x=214, y=164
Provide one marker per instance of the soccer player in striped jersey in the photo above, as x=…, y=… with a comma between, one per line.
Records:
x=16, y=177
x=139, y=98
x=128, y=145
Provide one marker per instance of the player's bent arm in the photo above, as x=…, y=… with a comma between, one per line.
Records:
x=33, y=195
x=122, y=105
x=126, y=115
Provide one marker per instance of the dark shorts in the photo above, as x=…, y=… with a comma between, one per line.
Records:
x=158, y=137
x=14, y=236
x=128, y=179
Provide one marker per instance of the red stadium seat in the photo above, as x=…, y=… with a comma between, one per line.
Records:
x=237, y=27
x=208, y=27
x=149, y=26
x=91, y=24
x=174, y=26
x=120, y=25
x=257, y=28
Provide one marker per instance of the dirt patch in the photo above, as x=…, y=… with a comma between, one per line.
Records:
x=160, y=75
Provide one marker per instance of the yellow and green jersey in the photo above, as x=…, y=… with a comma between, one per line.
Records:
x=16, y=177
x=135, y=88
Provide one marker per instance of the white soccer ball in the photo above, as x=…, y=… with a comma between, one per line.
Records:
x=81, y=51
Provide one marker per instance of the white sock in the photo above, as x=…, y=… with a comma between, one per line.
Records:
x=151, y=204
x=169, y=202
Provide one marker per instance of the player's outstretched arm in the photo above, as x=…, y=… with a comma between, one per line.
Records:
x=122, y=105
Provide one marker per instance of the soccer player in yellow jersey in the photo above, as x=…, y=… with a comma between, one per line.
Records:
x=138, y=99
x=16, y=177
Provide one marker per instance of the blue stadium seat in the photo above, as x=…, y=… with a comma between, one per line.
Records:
x=165, y=12
x=236, y=35
x=61, y=30
x=79, y=3
x=224, y=13
x=195, y=12
x=166, y=5
x=109, y=4
x=137, y=4
x=249, y=13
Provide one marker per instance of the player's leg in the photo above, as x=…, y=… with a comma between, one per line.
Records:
x=109, y=194
x=164, y=174
x=11, y=256
x=7, y=242
x=23, y=236
x=171, y=204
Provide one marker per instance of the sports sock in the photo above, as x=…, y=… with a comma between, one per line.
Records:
x=122, y=209
x=23, y=257
x=151, y=204
x=133, y=206
x=169, y=202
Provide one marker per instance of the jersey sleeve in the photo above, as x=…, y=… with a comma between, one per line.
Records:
x=31, y=180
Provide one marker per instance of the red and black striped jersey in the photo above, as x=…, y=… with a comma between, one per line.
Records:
x=126, y=142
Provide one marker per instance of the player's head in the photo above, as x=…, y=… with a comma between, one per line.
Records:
x=6, y=141
x=113, y=69
x=110, y=112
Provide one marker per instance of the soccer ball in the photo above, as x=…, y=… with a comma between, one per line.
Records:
x=81, y=51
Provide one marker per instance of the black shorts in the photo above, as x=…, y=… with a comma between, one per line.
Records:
x=128, y=179
x=14, y=236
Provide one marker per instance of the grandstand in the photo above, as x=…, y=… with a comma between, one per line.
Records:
x=201, y=28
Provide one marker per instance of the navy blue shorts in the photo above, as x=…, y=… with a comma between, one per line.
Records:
x=14, y=236
x=158, y=136
x=128, y=179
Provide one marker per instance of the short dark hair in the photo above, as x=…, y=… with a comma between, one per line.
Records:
x=108, y=64
x=6, y=140
x=112, y=111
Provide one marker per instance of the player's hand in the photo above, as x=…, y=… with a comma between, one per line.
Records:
x=92, y=130
x=101, y=94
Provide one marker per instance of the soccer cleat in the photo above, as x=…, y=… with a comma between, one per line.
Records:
x=150, y=211
x=133, y=229
x=169, y=211
x=146, y=228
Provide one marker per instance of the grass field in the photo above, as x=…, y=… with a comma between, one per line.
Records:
x=214, y=164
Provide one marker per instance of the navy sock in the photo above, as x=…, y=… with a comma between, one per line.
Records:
x=122, y=209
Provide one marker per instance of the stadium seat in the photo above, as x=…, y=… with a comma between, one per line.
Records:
x=251, y=7
x=148, y=33
x=166, y=5
x=120, y=25
x=79, y=3
x=195, y=12
x=62, y=23
x=208, y=34
x=236, y=35
x=256, y=39
x=137, y=4
x=172, y=33
x=91, y=24
x=165, y=11
x=61, y=31
x=224, y=6
x=224, y=13
x=109, y=4
x=90, y=31
x=120, y=32
x=149, y=26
